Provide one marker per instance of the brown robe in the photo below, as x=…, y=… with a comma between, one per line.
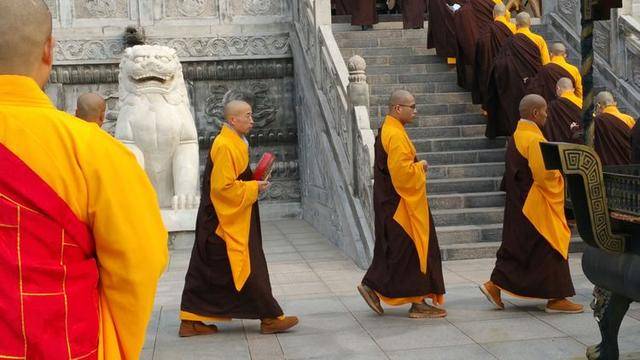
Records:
x=363, y=12
x=545, y=81
x=209, y=288
x=518, y=60
x=487, y=48
x=441, y=32
x=612, y=140
x=471, y=21
x=343, y=7
x=526, y=264
x=635, y=144
x=395, y=269
x=560, y=114
x=413, y=13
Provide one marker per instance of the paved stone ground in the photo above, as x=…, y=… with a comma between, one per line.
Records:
x=314, y=280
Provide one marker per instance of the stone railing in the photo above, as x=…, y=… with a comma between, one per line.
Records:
x=616, y=45
x=336, y=141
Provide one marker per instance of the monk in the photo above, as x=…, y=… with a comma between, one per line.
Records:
x=544, y=83
x=610, y=131
x=487, y=47
x=343, y=7
x=363, y=13
x=83, y=243
x=91, y=108
x=413, y=13
x=471, y=21
x=406, y=266
x=227, y=276
x=520, y=58
x=564, y=123
x=441, y=32
x=532, y=260
x=635, y=144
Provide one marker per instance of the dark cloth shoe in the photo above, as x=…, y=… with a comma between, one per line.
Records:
x=371, y=298
x=492, y=292
x=193, y=328
x=273, y=326
x=426, y=311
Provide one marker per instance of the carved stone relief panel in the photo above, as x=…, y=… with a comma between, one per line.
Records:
x=89, y=9
x=190, y=8
x=257, y=7
x=568, y=7
x=602, y=39
x=53, y=7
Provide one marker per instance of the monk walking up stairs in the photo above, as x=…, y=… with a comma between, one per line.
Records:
x=544, y=83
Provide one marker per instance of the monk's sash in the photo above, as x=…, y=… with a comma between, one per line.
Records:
x=48, y=276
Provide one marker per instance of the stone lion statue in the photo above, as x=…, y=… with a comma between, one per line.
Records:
x=156, y=124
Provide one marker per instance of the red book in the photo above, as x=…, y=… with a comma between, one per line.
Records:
x=264, y=167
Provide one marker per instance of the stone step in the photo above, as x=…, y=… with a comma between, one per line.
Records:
x=488, y=249
x=468, y=234
x=446, y=131
x=454, y=144
x=476, y=216
x=458, y=171
x=466, y=185
x=408, y=69
x=414, y=88
x=470, y=200
x=394, y=51
x=448, y=120
x=384, y=42
x=449, y=77
x=381, y=34
x=400, y=60
x=428, y=109
x=421, y=99
x=463, y=157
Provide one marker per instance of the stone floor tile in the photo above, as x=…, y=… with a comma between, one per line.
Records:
x=522, y=328
x=221, y=350
x=458, y=352
x=324, y=323
x=265, y=347
x=355, y=303
x=418, y=336
x=583, y=324
x=283, y=268
x=338, y=345
x=548, y=349
x=152, y=330
x=294, y=277
x=317, y=305
x=306, y=288
x=471, y=309
x=146, y=354
x=283, y=257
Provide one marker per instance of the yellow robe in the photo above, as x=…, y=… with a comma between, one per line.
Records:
x=105, y=188
x=233, y=200
x=613, y=110
x=575, y=73
x=544, y=206
x=540, y=43
x=506, y=22
x=409, y=179
x=571, y=96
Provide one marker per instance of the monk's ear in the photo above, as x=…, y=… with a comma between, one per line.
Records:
x=47, y=54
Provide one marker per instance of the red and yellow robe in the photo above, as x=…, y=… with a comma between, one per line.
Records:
x=406, y=266
x=610, y=134
x=564, y=120
x=227, y=276
x=532, y=259
x=83, y=243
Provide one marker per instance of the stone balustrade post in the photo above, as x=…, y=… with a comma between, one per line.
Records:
x=358, y=88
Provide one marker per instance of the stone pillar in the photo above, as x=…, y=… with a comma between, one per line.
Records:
x=358, y=88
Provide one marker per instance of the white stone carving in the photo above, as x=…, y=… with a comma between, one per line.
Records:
x=156, y=123
x=258, y=7
x=568, y=7
x=191, y=8
x=70, y=50
x=101, y=8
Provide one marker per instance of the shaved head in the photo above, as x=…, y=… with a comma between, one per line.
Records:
x=399, y=97
x=558, y=49
x=563, y=85
x=239, y=116
x=533, y=107
x=91, y=107
x=499, y=10
x=523, y=20
x=402, y=106
x=235, y=108
x=605, y=98
x=25, y=32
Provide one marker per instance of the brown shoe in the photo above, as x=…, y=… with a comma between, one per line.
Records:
x=273, y=326
x=563, y=306
x=193, y=328
x=426, y=311
x=492, y=292
x=371, y=298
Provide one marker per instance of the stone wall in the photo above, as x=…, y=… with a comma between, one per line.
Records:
x=224, y=45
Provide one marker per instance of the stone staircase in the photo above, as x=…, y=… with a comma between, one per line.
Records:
x=466, y=168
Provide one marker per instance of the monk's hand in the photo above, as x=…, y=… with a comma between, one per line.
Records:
x=263, y=186
x=425, y=164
